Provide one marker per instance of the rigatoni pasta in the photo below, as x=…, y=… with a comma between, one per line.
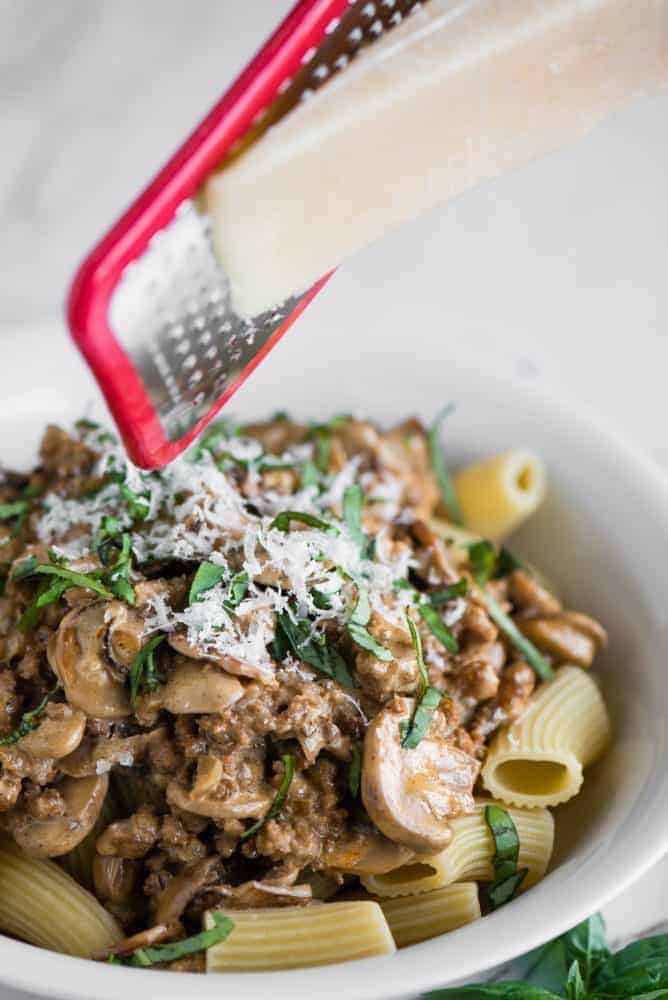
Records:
x=470, y=853
x=498, y=493
x=419, y=918
x=300, y=937
x=43, y=905
x=539, y=760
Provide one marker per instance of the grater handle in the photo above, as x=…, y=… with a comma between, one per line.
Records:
x=202, y=152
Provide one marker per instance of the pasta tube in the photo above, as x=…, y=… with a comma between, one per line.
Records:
x=297, y=937
x=456, y=540
x=469, y=855
x=43, y=905
x=418, y=918
x=539, y=760
x=498, y=493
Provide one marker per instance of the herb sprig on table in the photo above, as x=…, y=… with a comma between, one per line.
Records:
x=579, y=966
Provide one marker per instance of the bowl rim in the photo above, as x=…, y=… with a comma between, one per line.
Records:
x=583, y=890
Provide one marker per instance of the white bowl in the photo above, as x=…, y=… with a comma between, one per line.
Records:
x=601, y=536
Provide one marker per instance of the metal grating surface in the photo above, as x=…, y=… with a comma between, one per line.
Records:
x=171, y=310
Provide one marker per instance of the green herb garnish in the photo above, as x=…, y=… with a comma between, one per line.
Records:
x=144, y=957
x=507, y=562
x=534, y=658
x=439, y=467
x=427, y=699
x=355, y=770
x=277, y=804
x=357, y=628
x=238, y=590
x=29, y=721
x=114, y=550
x=310, y=476
x=450, y=593
x=299, y=638
x=482, y=557
x=353, y=501
x=144, y=674
x=437, y=627
x=208, y=575
x=283, y=521
x=137, y=504
x=507, y=877
x=16, y=509
x=218, y=431
x=31, y=567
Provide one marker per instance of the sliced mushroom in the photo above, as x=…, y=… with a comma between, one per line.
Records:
x=198, y=688
x=58, y=734
x=50, y=838
x=99, y=754
x=240, y=805
x=367, y=852
x=568, y=637
x=77, y=655
x=184, y=887
x=114, y=878
x=230, y=664
x=411, y=794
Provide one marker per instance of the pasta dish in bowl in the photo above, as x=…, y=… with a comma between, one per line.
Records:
x=288, y=702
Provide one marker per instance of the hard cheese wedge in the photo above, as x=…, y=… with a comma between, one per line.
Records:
x=461, y=91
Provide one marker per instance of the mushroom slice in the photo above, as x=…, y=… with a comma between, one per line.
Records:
x=240, y=805
x=411, y=794
x=230, y=664
x=77, y=655
x=198, y=688
x=96, y=755
x=50, y=838
x=183, y=888
x=58, y=734
x=367, y=852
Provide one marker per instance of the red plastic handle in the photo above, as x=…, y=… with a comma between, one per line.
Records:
x=202, y=152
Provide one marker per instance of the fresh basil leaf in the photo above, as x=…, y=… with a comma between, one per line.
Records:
x=362, y=637
x=310, y=477
x=439, y=467
x=321, y=600
x=493, y=991
x=144, y=675
x=30, y=567
x=25, y=568
x=16, y=509
x=353, y=501
x=208, y=575
x=534, y=658
x=482, y=556
x=355, y=770
x=361, y=614
x=137, y=503
x=313, y=648
x=144, y=957
x=414, y=731
x=277, y=804
x=419, y=655
x=50, y=594
x=437, y=627
x=283, y=521
x=450, y=593
x=507, y=877
x=641, y=966
x=587, y=945
x=216, y=433
x=323, y=445
x=575, y=987
x=29, y=721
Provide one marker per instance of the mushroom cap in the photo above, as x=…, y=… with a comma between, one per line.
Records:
x=367, y=852
x=77, y=655
x=411, y=794
x=230, y=664
x=53, y=837
x=57, y=734
x=200, y=688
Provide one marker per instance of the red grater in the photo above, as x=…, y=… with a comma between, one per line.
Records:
x=150, y=307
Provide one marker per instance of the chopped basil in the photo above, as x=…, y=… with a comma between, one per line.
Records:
x=439, y=467
x=353, y=501
x=237, y=592
x=358, y=631
x=507, y=877
x=29, y=721
x=323, y=445
x=144, y=957
x=310, y=476
x=16, y=509
x=114, y=549
x=534, y=658
x=437, y=627
x=313, y=648
x=427, y=698
x=218, y=431
x=355, y=770
x=283, y=521
x=277, y=804
x=414, y=731
x=321, y=600
x=450, y=593
x=208, y=575
x=482, y=556
x=507, y=562
x=144, y=674
x=137, y=503
x=31, y=567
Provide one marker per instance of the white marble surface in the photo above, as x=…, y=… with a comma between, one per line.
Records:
x=558, y=271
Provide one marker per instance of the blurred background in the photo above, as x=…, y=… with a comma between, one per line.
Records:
x=554, y=273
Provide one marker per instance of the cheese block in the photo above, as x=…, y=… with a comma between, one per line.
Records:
x=459, y=92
